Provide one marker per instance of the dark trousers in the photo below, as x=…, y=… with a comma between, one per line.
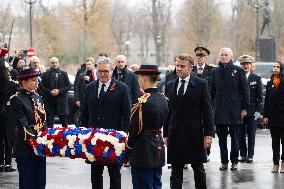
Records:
x=222, y=132
x=32, y=173
x=177, y=176
x=249, y=128
x=143, y=178
x=5, y=147
x=277, y=135
x=97, y=176
x=50, y=120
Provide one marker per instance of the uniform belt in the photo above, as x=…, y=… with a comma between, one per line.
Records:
x=151, y=132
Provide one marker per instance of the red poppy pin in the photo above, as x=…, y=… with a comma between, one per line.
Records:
x=112, y=88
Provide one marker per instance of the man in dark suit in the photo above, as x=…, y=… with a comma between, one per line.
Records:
x=106, y=105
x=189, y=128
x=121, y=73
x=89, y=75
x=230, y=98
x=256, y=99
x=55, y=85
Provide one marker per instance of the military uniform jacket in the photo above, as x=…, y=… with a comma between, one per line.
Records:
x=189, y=121
x=229, y=93
x=146, y=143
x=274, y=104
x=256, y=94
x=130, y=79
x=111, y=111
x=206, y=74
x=55, y=79
x=22, y=108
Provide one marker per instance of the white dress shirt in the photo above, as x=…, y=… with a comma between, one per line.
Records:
x=185, y=84
x=106, y=86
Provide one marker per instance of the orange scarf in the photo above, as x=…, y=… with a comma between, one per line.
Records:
x=276, y=81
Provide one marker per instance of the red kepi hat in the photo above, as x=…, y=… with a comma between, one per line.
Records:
x=148, y=70
x=27, y=73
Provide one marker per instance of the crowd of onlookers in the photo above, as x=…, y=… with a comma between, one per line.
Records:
x=203, y=99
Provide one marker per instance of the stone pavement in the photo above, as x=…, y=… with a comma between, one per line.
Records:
x=75, y=174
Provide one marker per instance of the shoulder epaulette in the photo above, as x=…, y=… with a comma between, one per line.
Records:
x=212, y=65
x=144, y=98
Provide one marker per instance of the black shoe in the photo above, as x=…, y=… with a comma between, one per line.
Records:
x=1, y=168
x=9, y=168
x=249, y=160
x=185, y=166
x=234, y=166
x=223, y=167
x=169, y=166
x=243, y=159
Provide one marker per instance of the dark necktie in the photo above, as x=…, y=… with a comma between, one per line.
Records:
x=181, y=88
x=102, y=91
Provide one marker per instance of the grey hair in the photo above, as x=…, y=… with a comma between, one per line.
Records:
x=226, y=49
x=34, y=59
x=105, y=60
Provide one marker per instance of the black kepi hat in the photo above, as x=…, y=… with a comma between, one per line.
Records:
x=148, y=70
x=201, y=51
x=27, y=73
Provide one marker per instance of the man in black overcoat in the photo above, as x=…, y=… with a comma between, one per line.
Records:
x=106, y=105
x=85, y=78
x=189, y=128
x=255, y=106
x=230, y=98
x=121, y=73
x=55, y=85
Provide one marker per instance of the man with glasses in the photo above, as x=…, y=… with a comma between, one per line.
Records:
x=106, y=105
x=189, y=129
x=55, y=85
x=121, y=73
x=230, y=99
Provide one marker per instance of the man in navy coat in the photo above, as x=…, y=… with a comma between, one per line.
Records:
x=256, y=99
x=121, y=73
x=189, y=129
x=230, y=98
x=106, y=105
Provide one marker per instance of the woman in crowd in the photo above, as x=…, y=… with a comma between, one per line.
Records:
x=274, y=114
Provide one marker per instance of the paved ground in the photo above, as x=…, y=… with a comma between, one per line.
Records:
x=75, y=174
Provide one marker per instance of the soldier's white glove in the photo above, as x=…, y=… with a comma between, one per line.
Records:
x=256, y=115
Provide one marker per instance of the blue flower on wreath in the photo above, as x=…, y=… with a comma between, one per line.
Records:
x=78, y=148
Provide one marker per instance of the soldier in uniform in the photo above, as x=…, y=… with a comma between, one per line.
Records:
x=204, y=71
x=7, y=121
x=27, y=109
x=145, y=141
x=249, y=124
